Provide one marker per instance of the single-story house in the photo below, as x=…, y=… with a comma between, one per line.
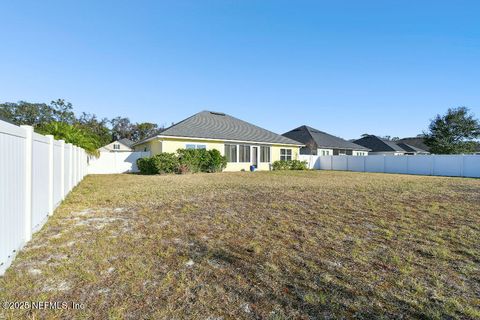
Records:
x=243, y=144
x=379, y=146
x=321, y=143
x=122, y=145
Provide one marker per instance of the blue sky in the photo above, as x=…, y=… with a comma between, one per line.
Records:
x=345, y=67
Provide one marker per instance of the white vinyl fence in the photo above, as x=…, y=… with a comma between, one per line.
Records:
x=36, y=173
x=434, y=165
x=115, y=162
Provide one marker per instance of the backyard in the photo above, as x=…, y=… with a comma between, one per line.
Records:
x=263, y=245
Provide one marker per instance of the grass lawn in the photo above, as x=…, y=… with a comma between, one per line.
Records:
x=263, y=245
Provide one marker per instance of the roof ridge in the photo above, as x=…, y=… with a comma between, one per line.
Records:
x=251, y=124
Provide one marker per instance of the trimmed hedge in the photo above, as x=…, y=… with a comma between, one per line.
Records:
x=289, y=165
x=184, y=161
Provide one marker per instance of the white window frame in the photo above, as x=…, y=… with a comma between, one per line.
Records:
x=269, y=154
x=195, y=146
x=286, y=155
x=236, y=151
x=247, y=147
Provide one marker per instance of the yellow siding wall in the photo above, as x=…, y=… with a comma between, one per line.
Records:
x=172, y=145
x=154, y=146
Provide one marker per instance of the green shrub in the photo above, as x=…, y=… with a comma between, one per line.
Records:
x=166, y=162
x=214, y=161
x=280, y=165
x=201, y=160
x=146, y=166
x=158, y=164
x=185, y=161
x=298, y=165
x=289, y=165
x=190, y=159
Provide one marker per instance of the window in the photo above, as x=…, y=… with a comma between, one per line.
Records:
x=195, y=146
x=244, y=153
x=264, y=154
x=285, y=154
x=116, y=146
x=325, y=152
x=231, y=152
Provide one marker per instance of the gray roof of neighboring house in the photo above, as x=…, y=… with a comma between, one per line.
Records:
x=221, y=126
x=410, y=148
x=417, y=142
x=377, y=144
x=307, y=135
x=126, y=142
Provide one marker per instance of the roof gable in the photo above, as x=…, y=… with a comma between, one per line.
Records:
x=306, y=135
x=377, y=144
x=410, y=148
x=126, y=142
x=217, y=125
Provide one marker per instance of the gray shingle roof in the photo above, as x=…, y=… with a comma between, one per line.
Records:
x=377, y=144
x=417, y=142
x=217, y=125
x=410, y=148
x=126, y=142
x=307, y=135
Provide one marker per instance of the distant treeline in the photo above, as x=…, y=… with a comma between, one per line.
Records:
x=84, y=130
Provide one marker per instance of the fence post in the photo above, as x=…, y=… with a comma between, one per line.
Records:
x=62, y=169
x=462, y=167
x=28, y=181
x=433, y=165
x=50, y=174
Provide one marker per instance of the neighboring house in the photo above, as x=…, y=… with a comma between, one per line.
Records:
x=411, y=150
x=323, y=144
x=386, y=147
x=243, y=144
x=122, y=145
x=417, y=142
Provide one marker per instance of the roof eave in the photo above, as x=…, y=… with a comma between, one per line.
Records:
x=214, y=139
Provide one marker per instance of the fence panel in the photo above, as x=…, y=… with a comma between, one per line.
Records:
x=40, y=178
x=471, y=166
x=355, y=163
x=340, y=163
x=57, y=173
x=420, y=165
x=396, y=164
x=439, y=165
x=448, y=165
x=12, y=191
x=32, y=184
x=67, y=164
x=115, y=162
x=374, y=163
x=324, y=163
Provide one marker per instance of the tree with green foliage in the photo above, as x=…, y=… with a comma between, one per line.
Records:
x=97, y=127
x=144, y=130
x=453, y=133
x=71, y=134
x=33, y=114
x=42, y=117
